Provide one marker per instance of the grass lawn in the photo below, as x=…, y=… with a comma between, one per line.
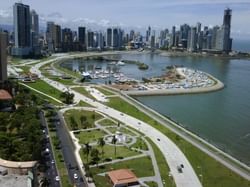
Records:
x=140, y=144
x=26, y=69
x=101, y=181
x=83, y=104
x=104, y=91
x=214, y=173
x=45, y=98
x=107, y=122
x=134, y=165
x=46, y=88
x=83, y=91
x=63, y=81
x=68, y=72
x=109, y=153
x=90, y=136
x=77, y=114
x=151, y=184
x=121, y=129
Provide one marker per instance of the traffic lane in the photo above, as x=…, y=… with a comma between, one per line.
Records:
x=68, y=154
x=51, y=172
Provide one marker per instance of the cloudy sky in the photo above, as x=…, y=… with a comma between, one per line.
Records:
x=136, y=13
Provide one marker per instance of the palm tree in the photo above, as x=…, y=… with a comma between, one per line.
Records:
x=95, y=156
x=101, y=143
x=86, y=150
x=44, y=182
x=114, y=140
x=69, y=97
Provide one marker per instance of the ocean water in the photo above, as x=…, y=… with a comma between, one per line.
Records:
x=221, y=117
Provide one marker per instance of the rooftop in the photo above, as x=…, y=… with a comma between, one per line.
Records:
x=122, y=176
x=4, y=95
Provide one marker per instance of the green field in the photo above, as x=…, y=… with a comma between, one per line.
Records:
x=104, y=91
x=90, y=117
x=44, y=87
x=90, y=136
x=135, y=165
x=214, y=173
x=109, y=153
x=83, y=91
x=107, y=122
x=140, y=144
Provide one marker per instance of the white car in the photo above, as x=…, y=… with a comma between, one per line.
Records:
x=57, y=178
x=75, y=176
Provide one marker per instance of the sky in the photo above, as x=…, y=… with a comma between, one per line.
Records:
x=136, y=14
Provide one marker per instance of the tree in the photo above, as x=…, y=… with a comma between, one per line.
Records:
x=73, y=123
x=86, y=150
x=114, y=141
x=101, y=143
x=44, y=182
x=95, y=156
x=68, y=97
x=83, y=120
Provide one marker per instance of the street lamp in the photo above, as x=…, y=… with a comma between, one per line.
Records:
x=200, y=175
x=171, y=179
x=163, y=182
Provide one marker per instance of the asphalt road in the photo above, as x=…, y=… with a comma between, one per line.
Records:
x=51, y=172
x=68, y=153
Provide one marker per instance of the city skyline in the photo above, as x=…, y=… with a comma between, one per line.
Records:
x=139, y=14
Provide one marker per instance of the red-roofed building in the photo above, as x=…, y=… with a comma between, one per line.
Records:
x=4, y=95
x=123, y=178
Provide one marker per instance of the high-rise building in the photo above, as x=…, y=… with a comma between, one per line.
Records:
x=57, y=38
x=109, y=38
x=172, y=38
x=90, y=39
x=35, y=32
x=34, y=27
x=227, y=41
x=22, y=29
x=50, y=36
x=115, y=38
x=82, y=35
x=192, y=39
x=3, y=56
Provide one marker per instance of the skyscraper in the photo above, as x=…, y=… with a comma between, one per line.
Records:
x=22, y=29
x=3, y=57
x=115, y=38
x=50, y=36
x=34, y=27
x=227, y=41
x=82, y=35
x=109, y=38
x=192, y=39
x=35, y=32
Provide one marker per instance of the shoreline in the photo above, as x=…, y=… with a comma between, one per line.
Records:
x=229, y=157
x=216, y=87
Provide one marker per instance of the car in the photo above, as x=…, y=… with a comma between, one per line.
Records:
x=182, y=165
x=121, y=114
x=52, y=161
x=139, y=123
x=75, y=176
x=179, y=168
x=158, y=139
x=57, y=178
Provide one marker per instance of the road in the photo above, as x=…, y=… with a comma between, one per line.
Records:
x=171, y=152
x=52, y=171
x=68, y=154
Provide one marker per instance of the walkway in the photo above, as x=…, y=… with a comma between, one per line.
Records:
x=171, y=152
